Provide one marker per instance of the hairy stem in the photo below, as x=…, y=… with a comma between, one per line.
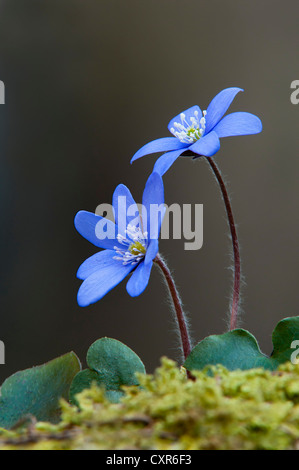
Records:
x=236, y=250
x=185, y=341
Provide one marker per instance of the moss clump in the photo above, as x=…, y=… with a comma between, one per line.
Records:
x=253, y=409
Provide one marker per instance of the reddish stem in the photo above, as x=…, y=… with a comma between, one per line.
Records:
x=236, y=250
x=186, y=345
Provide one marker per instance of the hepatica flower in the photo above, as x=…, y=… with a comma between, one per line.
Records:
x=129, y=246
x=199, y=131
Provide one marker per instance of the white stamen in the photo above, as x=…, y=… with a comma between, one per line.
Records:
x=190, y=132
x=136, y=240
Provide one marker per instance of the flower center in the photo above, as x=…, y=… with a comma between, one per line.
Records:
x=190, y=132
x=137, y=249
x=135, y=244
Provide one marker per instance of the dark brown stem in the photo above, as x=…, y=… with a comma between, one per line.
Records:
x=237, y=261
x=186, y=345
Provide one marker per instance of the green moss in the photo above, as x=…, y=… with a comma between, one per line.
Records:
x=253, y=409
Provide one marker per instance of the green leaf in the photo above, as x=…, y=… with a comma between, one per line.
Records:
x=37, y=391
x=111, y=365
x=238, y=349
x=283, y=335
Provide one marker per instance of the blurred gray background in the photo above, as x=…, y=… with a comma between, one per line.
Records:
x=87, y=84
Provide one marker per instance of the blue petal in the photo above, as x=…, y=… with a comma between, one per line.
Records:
x=188, y=113
x=165, y=161
x=102, y=281
x=139, y=279
x=153, y=209
x=207, y=146
x=238, y=124
x=87, y=225
x=96, y=262
x=160, y=145
x=151, y=251
x=122, y=201
x=218, y=107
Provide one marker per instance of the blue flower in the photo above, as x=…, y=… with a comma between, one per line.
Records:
x=130, y=245
x=199, y=132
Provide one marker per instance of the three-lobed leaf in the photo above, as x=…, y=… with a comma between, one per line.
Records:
x=238, y=349
x=111, y=364
x=37, y=391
